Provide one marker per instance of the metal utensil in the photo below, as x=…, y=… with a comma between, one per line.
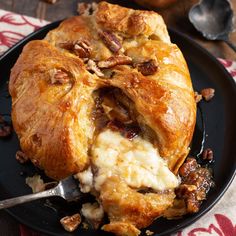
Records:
x=67, y=188
x=214, y=19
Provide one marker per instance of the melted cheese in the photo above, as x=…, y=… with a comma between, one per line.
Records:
x=136, y=161
x=86, y=180
x=92, y=211
x=35, y=183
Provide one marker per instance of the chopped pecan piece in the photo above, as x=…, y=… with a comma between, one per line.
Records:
x=67, y=45
x=189, y=165
x=115, y=60
x=21, y=157
x=59, y=76
x=148, y=68
x=71, y=223
x=198, y=97
x=5, y=131
x=92, y=66
x=195, y=183
x=208, y=93
x=207, y=154
x=86, y=8
x=82, y=49
x=110, y=40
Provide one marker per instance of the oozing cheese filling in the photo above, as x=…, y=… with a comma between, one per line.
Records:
x=136, y=161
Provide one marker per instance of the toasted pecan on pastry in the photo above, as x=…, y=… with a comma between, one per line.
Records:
x=111, y=93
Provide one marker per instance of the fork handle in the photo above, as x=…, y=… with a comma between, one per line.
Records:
x=27, y=198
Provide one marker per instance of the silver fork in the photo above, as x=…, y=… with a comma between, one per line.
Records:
x=67, y=188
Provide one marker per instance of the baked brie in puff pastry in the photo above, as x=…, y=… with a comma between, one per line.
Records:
x=108, y=97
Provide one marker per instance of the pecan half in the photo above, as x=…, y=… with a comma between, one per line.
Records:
x=81, y=49
x=207, y=154
x=208, y=93
x=71, y=223
x=114, y=61
x=92, y=66
x=148, y=68
x=21, y=157
x=197, y=97
x=58, y=76
x=110, y=40
x=86, y=8
x=67, y=45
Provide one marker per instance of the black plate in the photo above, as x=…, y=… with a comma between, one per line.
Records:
x=220, y=122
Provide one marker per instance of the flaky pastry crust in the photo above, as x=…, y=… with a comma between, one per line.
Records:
x=52, y=86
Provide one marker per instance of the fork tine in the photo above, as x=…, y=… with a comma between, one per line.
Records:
x=69, y=189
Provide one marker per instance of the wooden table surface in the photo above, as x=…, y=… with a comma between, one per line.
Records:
x=175, y=16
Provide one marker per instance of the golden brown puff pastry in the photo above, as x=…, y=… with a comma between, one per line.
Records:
x=59, y=86
x=52, y=120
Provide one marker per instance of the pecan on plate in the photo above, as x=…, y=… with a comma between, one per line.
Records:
x=189, y=165
x=71, y=223
x=148, y=68
x=208, y=93
x=58, y=76
x=110, y=40
x=114, y=61
x=92, y=66
x=21, y=157
x=207, y=154
x=196, y=181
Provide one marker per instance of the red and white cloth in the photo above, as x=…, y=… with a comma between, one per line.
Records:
x=220, y=221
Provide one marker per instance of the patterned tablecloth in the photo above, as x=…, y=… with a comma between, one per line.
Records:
x=220, y=221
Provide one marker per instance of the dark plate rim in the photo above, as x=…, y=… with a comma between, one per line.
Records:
x=232, y=174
